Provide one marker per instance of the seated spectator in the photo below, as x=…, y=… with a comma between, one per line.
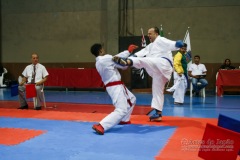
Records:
x=197, y=72
x=227, y=65
x=34, y=73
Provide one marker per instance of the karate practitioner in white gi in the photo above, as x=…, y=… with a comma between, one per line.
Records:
x=122, y=99
x=157, y=59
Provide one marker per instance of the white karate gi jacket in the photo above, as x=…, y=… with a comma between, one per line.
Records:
x=157, y=59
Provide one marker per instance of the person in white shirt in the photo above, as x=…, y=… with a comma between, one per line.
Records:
x=157, y=59
x=34, y=73
x=122, y=99
x=197, y=72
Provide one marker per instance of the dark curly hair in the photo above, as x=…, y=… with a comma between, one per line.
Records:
x=95, y=48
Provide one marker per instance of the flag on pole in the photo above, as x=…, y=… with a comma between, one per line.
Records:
x=189, y=53
x=161, y=31
x=144, y=44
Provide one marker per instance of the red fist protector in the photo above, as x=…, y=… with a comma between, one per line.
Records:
x=132, y=47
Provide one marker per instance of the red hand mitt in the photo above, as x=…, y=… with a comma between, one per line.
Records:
x=132, y=47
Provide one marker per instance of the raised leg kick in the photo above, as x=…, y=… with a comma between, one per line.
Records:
x=122, y=61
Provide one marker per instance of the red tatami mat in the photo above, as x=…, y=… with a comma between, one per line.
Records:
x=14, y=136
x=179, y=146
x=76, y=107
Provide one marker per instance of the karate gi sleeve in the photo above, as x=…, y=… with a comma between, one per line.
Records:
x=167, y=43
x=123, y=54
x=143, y=52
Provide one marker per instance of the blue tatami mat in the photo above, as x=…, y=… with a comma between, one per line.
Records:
x=69, y=140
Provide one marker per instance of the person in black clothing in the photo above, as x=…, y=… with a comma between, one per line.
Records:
x=227, y=65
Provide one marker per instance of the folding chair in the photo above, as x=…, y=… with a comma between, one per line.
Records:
x=2, y=78
x=202, y=92
x=216, y=80
x=42, y=100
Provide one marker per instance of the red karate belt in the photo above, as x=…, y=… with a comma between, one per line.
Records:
x=30, y=91
x=119, y=83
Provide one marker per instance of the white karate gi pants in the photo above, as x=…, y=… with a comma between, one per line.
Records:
x=160, y=70
x=119, y=95
x=181, y=88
